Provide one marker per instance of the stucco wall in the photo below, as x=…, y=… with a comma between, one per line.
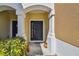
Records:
x=5, y=17
x=36, y=16
x=4, y=25
x=67, y=23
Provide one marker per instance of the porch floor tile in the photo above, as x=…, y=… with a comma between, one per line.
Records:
x=35, y=49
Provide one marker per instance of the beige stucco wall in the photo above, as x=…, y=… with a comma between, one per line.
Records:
x=5, y=17
x=37, y=16
x=67, y=23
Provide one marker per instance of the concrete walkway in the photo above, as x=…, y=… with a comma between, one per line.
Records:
x=35, y=49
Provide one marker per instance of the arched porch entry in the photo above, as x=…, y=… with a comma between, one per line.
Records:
x=7, y=16
x=40, y=12
x=36, y=14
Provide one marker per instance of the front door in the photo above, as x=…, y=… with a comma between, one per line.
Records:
x=14, y=28
x=36, y=30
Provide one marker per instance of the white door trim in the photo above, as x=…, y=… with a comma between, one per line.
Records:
x=11, y=27
x=43, y=30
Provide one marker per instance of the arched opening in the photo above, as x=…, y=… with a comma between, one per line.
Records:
x=7, y=19
x=35, y=15
x=34, y=30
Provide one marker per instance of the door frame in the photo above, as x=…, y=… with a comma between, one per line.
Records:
x=11, y=28
x=43, y=30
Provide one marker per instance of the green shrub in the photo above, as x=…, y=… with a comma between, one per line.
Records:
x=13, y=47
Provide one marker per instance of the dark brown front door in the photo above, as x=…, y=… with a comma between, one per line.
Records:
x=14, y=28
x=36, y=30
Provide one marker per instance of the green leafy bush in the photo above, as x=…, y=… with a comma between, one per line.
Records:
x=13, y=47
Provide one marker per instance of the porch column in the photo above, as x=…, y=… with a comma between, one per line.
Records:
x=51, y=34
x=20, y=25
